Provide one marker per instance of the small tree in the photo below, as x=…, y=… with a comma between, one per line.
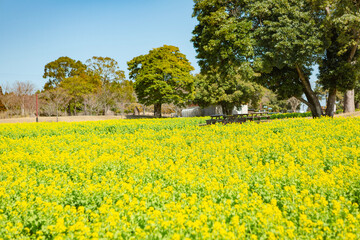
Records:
x=272, y=102
x=162, y=76
x=294, y=103
x=228, y=91
x=111, y=77
x=78, y=86
x=125, y=95
x=92, y=104
x=24, y=91
x=55, y=99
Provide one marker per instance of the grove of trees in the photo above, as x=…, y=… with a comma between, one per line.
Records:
x=277, y=44
x=96, y=87
x=99, y=87
x=17, y=99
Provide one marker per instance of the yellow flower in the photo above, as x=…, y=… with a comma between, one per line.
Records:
x=176, y=236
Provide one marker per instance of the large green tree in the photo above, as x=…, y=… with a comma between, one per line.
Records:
x=63, y=67
x=162, y=76
x=276, y=42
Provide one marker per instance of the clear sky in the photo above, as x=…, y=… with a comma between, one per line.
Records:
x=36, y=32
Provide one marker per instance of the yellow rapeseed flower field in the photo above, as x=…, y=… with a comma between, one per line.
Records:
x=171, y=179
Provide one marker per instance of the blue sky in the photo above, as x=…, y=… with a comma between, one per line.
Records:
x=35, y=32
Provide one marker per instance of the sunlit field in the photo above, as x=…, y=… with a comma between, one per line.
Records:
x=171, y=179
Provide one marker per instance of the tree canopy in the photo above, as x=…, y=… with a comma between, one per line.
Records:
x=106, y=68
x=162, y=76
x=61, y=68
x=112, y=80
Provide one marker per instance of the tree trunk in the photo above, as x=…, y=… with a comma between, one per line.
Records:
x=57, y=112
x=157, y=110
x=122, y=110
x=330, y=105
x=75, y=108
x=107, y=109
x=23, y=106
x=311, y=106
x=85, y=109
x=227, y=110
x=349, y=101
x=313, y=101
x=349, y=96
x=68, y=110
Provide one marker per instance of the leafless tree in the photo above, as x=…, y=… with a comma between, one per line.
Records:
x=91, y=104
x=24, y=92
x=9, y=100
x=60, y=97
x=294, y=103
x=54, y=100
x=47, y=108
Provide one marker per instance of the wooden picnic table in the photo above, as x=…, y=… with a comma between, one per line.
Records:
x=237, y=118
x=215, y=118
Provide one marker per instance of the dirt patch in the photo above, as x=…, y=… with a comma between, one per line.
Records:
x=77, y=118
x=61, y=119
x=353, y=114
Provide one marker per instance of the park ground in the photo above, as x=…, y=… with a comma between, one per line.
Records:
x=99, y=118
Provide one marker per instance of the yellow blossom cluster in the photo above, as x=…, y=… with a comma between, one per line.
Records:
x=172, y=179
